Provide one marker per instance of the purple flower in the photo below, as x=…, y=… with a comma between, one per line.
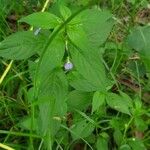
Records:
x=68, y=66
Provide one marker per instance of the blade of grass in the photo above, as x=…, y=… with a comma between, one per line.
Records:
x=6, y=147
x=6, y=71
x=20, y=134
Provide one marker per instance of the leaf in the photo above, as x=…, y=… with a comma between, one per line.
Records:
x=136, y=144
x=83, y=2
x=82, y=129
x=98, y=100
x=139, y=40
x=45, y=120
x=25, y=123
x=126, y=98
x=87, y=60
x=102, y=143
x=118, y=137
x=65, y=11
x=119, y=103
x=140, y=124
x=52, y=59
x=54, y=107
x=43, y=20
x=97, y=25
x=80, y=83
x=51, y=104
x=58, y=88
x=21, y=45
x=125, y=147
x=78, y=100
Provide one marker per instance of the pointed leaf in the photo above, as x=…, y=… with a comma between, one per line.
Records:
x=80, y=83
x=118, y=103
x=21, y=45
x=53, y=107
x=139, y=40
x=87, y=59
x=51, y=60
x=118, y=137
x=97, y=25
x=136, y=144
x=125, y=147
x=102, y=143
x=65, y=11
x=82, y=129
x=79, y=100
x=98, y=100
x=43, y=20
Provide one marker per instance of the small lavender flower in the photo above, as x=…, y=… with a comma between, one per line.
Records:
x=68, y=66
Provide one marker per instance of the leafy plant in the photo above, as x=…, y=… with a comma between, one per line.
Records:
x=72, y=96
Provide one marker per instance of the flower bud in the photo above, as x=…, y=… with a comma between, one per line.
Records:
x=68, y=66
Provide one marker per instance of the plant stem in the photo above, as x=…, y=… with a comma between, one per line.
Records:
x=138, y=77
x=20, y=134
x=6, y=147
x=127, y=127
x=6, y=71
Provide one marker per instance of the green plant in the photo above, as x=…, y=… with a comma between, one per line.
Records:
x=79, y=88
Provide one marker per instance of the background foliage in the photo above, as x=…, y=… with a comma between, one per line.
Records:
x=79, y=74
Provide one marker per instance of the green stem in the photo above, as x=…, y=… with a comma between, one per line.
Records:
x=126, y=128
x=20, y=134
x=138, y=77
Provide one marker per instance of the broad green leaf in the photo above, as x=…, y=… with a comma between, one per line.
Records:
x=87, y=60
x=65, y=11
x=118, y=122
x=138, y=103
x=54, y=107
x=102, y=143
x=82, y=129
x=118, y=137
x=21, y=45
x=51, y=60
x=98, y=100
x=91, y=69
x=97, y=25
x=45, y=120
x=139, y=40
x=43, y=20
x=127, y=99
x=140, y=124
x=51, y=104
x=78, y=100
x=136, y=144
x=83, y=2
x=77, y=81
x=58, y=88
x=125, y=147
x=25, y=123
x=119, y=103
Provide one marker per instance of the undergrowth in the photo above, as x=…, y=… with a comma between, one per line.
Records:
x=75, y=75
